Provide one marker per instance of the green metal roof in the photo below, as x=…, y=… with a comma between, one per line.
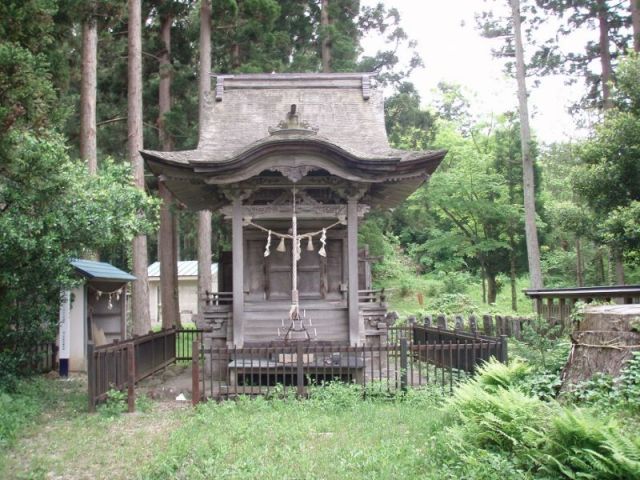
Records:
x=100, y=271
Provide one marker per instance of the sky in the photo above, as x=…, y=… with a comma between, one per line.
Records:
x=453, y=50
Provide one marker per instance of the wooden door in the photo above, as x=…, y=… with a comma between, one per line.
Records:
x=278, y=279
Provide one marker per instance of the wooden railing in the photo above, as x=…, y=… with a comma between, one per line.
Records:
x=121, y=365
x=218, y=298
x=372, y=296
x=511, y=326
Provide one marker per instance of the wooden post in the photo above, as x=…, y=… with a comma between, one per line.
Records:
x=238, y=273
x=299, y=370
x=517, y=327
x=504, y=349
x=562, y=307
x=487, y=324
x=352, y=263
x=473, y=324
x=131, y=378
x=403, y=364
x=195, y=373
x=91, y=377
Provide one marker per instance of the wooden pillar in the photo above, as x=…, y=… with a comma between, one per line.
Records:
x=168, y=270
x=352, y=268
x=237, y=244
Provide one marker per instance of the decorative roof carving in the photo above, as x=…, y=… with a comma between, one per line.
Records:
x=292, y=125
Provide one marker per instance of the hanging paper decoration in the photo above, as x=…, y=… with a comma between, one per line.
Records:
x=281, y=246
x=100, y=293
x=323, y=240
x=310, y=244
x=266, y=249
x=298, y=249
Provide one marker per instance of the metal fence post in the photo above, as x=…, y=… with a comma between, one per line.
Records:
x=131, y=378
x=91, y=377
x=403, y=364
x=195, y=373
x=299, y=370
x=504, y=349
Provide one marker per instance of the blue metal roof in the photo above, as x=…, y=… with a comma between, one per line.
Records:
x=101, y=271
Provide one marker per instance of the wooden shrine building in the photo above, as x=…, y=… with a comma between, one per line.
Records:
x=293, y=161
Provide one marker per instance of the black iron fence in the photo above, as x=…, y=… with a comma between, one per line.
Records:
x=415, y=357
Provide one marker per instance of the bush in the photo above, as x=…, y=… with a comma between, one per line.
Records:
x=504, y=418
x=578, y=445
x=454, y=303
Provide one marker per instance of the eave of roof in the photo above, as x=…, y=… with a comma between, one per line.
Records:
x=101, y=271
x=617, y=291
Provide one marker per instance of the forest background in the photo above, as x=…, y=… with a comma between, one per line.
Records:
x=459, y=240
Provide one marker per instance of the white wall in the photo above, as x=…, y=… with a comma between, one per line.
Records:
x=187, y=296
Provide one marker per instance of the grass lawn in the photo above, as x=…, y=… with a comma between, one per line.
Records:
x=484, y=432
x=338, y=437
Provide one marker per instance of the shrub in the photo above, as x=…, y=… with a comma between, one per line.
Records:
x=504, y=419
x=578, y=445
x=494, y=374
x=454, y=303
x=629, y=382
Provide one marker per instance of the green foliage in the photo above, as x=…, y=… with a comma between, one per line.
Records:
x=605, y=392
x=115, y=404
x=19, y=408
x=578, y=445
x=53, y=212
x=497, y=417
x=453, y=303
x=629, y=381
x=598, y=391
x=494, y=375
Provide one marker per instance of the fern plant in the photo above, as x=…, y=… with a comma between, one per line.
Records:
x=579, y=445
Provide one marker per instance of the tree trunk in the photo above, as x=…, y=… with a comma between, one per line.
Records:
x=635, y=22
x=492, y=288
x=484, y=284
x=140, y=289
x=164, y=88
x=326, y=40
x=579, y=269
x=600, y=270
x=204, y=217
x=88, y=89
x=166, y=239
x=605, y=55
x=619, y=267
x=531, y=232
x=513, y=274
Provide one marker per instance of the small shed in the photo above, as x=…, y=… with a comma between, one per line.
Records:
x=94, y=310
x=187, y=289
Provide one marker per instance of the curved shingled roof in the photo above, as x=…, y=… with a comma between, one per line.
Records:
x=243, y=126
